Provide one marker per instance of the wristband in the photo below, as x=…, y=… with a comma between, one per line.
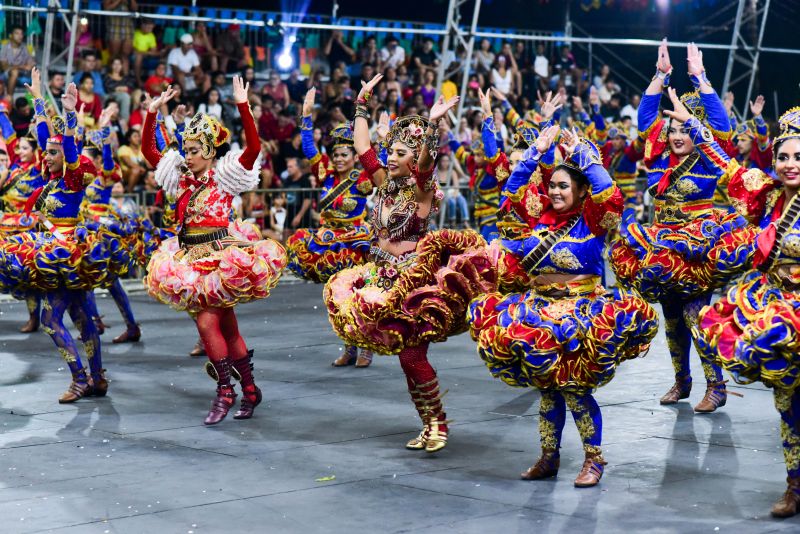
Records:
x=38, y=106
x=369, y=160
x=71, y=120
x=697, y=80
x=663, y=76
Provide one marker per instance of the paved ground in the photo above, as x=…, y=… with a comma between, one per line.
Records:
x=325, y=451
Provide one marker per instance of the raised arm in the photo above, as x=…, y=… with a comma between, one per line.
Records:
x=522, y=172
x=361, y=138
x=307, y=128
x=253, y=148
x=648, y=108
x=425, y=162
x=149, y=149
x=716, y=114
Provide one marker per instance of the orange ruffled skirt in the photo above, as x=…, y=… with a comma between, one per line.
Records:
x=198, y=277
x=388, y=306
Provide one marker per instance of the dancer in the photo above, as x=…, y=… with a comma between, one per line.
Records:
x=212, y=264
x=565, y=334
x=69, y=259
x=97, y=208
x=418, y=284
x=691, y=248
x=753, y=331
x=24, y=177
x=343, y=238
x=753, y=146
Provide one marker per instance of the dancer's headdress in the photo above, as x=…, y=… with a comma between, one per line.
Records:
x=208, y=131
x=410, y=130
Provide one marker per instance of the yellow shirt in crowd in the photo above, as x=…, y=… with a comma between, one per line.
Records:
x=144, y=42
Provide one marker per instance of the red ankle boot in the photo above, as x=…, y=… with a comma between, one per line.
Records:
x=226, y=396
x=251, y=394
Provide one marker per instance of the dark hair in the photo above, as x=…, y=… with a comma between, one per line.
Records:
x=223, y=149
x=88, y=53
x=16, y=27
x=53, y=73
x=31, y=141
x=129, y=134
x=3, y=152
x=93, y=152
x=20, y=102
x=777, y=145
x=85, y=76
x=574, y=174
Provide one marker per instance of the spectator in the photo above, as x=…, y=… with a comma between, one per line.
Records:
x=369, y=53
x=5, y=98
x=277, y=89
x=428, y=88
x=631, y=110
x=15, y=59
x=295, y=86
x=131, y=161
x=451, y=177
x=158, y=81
x=204, y=48
x=298, y=204
x=277, y=217
x=566, y=61
x=231, y=50
x=424, y=58
x=21, y=116
x=125, y=206
x=541, y=67
x=91, y=101
x=120, y=34
x=84, y=41
x=212, y=105
x=5, y=163
x=56, y=82
x=608, y=89
x=145, y=48
x=89, y=66
x=600, y=80
x=117, y=124
x=502, y=78
x=184, y=63
x=119, y=85
x=402, y=76
x=137, y=115
x=483, y=58
x=392, y=55
x=336, y=50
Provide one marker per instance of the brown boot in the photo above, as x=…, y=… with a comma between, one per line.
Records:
x=129, y=336
x=789, y=504
x=545, y=467
x=679, y=390
x=591, y=472
x=32, y=325
x=198, y=350
x=99, y=385
x=348, y=357
x=100, y=325
x=79, y=388
x=715, y=397
x=364, y=358
x=221, y=372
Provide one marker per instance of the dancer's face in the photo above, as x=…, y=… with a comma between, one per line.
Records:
x=25, y=150
x=194, y=157
x=564, y=192
x=787, y=163
x=679, y=141
x=344, y=159
x=744, y=144
x=54, y=158
x=400, y=159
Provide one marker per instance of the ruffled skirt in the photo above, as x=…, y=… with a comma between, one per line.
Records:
x=83, y=258
x=14, y=223
x=317, y=255
x=667, y=261
x=246, y=267
x=567, y=336
x=387, y=306
x=753, y=331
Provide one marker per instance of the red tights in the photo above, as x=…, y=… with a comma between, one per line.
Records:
x=220, y=334
x=414, y=361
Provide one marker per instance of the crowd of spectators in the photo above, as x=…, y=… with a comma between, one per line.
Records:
x=140, y=64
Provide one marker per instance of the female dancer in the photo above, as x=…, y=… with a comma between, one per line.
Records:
x=97, y=209
x=69, y=259
x=418, y=285
x=565, y=334
x=213, y=265
x=753, y=330
x=691, y=248
x=25, y=177
x=342, y=240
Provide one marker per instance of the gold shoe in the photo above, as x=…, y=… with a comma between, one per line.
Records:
x=437, y=437
x=420, y=442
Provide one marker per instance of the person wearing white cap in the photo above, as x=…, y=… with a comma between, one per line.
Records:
x=184, y=63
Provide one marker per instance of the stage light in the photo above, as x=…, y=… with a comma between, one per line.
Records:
x=662, y=5
x=285, y=59
x=271, y=22
x=292, y=39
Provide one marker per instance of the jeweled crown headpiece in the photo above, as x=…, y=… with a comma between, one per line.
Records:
x=694, y=105
x=208, y=131
x=410, y=130
x=617, y=129
x=525, y=136
x=746, y=128
x=789, y=124
x=342, y=135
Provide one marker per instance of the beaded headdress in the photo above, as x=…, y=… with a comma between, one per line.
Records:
x=586, y=158
x=342, y=135
x=476, y=147
x=789, y=124
x=747, y=128
x=694, y=105
x=410, y=130
x=208, y=131
x=525, y=136
x=94, y=139
x=617, y=129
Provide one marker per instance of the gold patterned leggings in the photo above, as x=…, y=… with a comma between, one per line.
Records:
x=585, y=412
x=788, y=405
x=680, y=315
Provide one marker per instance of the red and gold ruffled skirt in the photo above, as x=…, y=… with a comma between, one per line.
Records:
x=388, y=305
x=239, y=268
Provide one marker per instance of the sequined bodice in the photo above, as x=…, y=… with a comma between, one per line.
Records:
x=62, y=203
x=203, y=203
x=698, y=183
x=350, y=203
x=395, y=213
x=21, y=183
